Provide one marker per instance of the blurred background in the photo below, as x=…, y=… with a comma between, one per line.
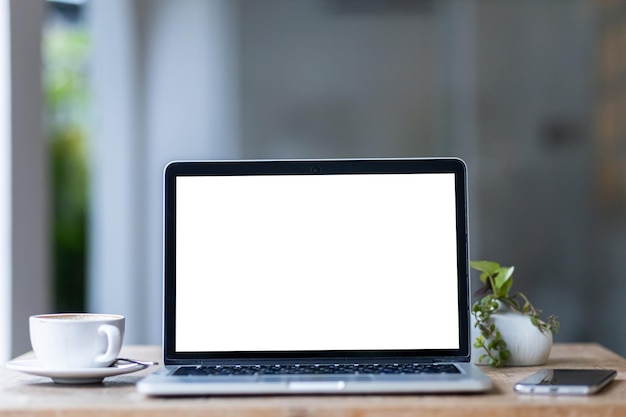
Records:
x=529, y=93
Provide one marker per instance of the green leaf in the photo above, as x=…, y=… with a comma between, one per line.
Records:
x=506, y=287
x=488, y=267
x=503, y=280
x=504, y=274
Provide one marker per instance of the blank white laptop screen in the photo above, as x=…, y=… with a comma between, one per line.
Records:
x=316, y=262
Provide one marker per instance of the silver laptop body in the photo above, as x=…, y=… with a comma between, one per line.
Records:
x=315, y=276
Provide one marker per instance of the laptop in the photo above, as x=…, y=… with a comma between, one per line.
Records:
x=316, y=277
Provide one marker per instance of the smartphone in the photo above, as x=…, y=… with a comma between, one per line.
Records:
x=566, y=381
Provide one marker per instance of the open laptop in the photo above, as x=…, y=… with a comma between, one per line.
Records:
x=316, y=276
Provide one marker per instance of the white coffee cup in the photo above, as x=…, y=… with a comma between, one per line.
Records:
x=76, y=340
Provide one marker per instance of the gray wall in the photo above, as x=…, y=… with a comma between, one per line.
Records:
x=316, y=82
x=535, y=65
x=507, y=85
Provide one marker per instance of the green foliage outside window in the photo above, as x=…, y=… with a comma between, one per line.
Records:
x=65, y=92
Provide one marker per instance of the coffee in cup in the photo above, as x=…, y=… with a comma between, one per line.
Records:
x=76, y=340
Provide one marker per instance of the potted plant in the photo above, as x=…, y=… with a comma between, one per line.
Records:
x=508, y=329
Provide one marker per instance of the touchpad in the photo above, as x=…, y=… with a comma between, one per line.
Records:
x=316, y=383
x=315, y=378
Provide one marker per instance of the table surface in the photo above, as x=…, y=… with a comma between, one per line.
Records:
x=22, y=394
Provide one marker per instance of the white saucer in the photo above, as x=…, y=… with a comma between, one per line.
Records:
x=73, y=376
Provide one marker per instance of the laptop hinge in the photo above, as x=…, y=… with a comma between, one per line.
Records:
x=210, y=362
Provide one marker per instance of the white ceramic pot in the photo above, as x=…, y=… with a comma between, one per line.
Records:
x=527, y=344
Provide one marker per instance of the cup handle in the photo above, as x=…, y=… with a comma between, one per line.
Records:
x=114, y=343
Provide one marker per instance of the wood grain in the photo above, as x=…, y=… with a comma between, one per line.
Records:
x=26, y=395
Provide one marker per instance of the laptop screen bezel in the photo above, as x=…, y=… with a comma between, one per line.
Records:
x=313, y=167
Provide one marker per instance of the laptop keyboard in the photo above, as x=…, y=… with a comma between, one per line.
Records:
x=411, y=368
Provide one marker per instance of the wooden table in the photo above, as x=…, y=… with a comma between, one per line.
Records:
x=22, y=395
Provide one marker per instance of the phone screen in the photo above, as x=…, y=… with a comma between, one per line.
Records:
x=566, y=381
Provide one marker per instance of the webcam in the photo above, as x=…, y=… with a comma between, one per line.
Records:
x=315, y=169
